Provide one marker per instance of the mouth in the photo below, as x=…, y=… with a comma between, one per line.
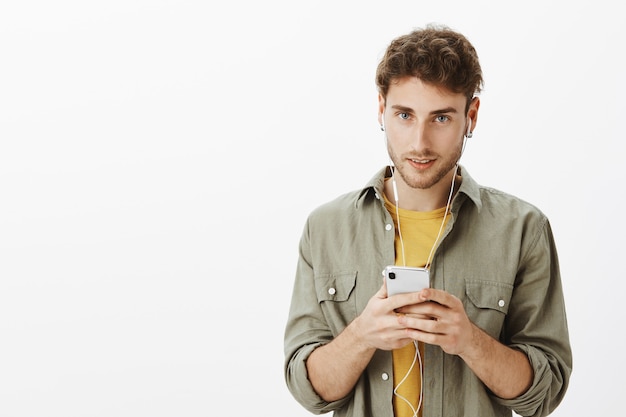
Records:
x=421, y=163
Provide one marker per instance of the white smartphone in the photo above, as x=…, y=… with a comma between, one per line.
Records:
x=401, y=279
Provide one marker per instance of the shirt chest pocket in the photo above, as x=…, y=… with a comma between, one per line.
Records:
x=335, y=295
x=487, y=304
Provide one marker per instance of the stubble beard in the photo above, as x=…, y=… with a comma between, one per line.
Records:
x=431, y=176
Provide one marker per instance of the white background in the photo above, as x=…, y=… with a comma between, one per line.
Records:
x=158, y=160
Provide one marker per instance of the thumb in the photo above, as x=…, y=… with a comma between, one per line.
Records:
x=382, y=291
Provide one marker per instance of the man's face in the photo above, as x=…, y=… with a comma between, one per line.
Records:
x=424, y=127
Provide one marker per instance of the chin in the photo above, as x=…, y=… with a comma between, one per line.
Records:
x=425, y=181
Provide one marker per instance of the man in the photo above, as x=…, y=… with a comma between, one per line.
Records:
x=490, y=334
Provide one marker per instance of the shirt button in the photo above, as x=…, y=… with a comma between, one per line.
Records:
x=501, y=303
x=385, y=376
x=332, y=291
x=388, y=227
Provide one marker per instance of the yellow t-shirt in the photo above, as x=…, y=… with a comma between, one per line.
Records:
x=419, y=231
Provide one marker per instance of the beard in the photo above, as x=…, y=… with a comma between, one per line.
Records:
x=427, y=178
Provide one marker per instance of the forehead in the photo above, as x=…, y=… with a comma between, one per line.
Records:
x=413, y=93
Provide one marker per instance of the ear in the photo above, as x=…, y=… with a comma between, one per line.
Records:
x=381, y=108
x=472, y=113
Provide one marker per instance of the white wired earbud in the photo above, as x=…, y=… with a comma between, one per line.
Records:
x=393, y=177
x=468, y=135
x=417, y=356
x=393, y=182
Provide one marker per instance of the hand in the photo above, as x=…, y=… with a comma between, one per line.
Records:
x=438, y=318
x=378, y=325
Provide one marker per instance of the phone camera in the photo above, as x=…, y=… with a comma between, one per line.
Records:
x=392, y=275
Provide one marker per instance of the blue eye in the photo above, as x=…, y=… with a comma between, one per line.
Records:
x=404, y=116
x=441, y=118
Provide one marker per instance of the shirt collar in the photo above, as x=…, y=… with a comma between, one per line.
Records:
x=374, y=187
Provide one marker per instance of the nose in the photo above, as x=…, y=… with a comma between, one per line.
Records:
x=419, y=137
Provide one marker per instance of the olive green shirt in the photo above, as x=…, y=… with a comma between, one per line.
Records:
x=497, y=255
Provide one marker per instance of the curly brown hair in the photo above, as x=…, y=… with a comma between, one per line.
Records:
x=435, y=54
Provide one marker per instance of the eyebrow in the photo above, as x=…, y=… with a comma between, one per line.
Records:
x=444, y=110
x=433, y=112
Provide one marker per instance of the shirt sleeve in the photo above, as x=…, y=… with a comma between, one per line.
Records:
x=306, y=330
x=537, y=325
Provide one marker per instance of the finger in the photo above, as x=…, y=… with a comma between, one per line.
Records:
x=405, y=299
x=382, y=291
x=438, y=296
x=416, y=315
x=428, y=325
x=430, y=310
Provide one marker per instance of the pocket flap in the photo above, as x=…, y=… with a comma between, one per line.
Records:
x=335, y=287
x=489, y=294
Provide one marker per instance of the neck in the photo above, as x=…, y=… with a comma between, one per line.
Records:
x=428, y=199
